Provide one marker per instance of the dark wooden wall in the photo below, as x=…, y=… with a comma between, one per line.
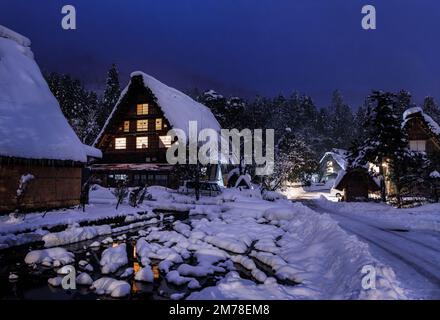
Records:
x=53, y=186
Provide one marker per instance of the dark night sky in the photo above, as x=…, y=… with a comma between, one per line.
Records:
x=242, y=47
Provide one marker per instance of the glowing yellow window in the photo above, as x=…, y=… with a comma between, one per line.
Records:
x=142, y=125
x=120, y=143
x=141, y=142
x=165, y=141
x=126, y=126
x=158, y=124
x=142, y=109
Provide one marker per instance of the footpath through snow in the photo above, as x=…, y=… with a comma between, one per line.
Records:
x=408, y=240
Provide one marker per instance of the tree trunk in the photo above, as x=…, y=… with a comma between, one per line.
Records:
x=383, y=194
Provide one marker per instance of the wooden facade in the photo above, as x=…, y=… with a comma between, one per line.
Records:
x=135, y=134
x=56, y=184
x=357, y=185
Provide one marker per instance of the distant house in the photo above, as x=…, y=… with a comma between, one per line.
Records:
x=41, y=158
x=423, y=132
x=331, y=164
x=423, y=136
x=134, y=139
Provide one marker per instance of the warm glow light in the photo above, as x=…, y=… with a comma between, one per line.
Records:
x=134, y=252
x=114, y=245
x=136, y=267
x=156, y=272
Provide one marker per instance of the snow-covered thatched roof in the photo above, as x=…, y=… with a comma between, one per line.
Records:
x=418, y=112
x=32, y=125
x=339, y=155
x=177, y=107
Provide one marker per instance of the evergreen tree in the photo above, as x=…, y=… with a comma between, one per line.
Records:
x=431, y=108
x=386, y=143
x=404, y=102
x=111, y=95
x=341, y=121
x=78, y=105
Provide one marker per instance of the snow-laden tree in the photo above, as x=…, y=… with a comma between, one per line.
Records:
x=79, y=106
x=386, y=144
x=341, y=121
x=431, y=108
x=294, y=161
x=111, y=94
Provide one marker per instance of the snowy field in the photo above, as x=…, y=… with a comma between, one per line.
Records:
x=235, y=246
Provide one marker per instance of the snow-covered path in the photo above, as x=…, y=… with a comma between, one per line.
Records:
x=414, y=255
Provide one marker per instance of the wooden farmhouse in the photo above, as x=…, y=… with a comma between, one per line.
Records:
x=134, y=139
x=331, y=164
x=423, y=136
x=41, y=158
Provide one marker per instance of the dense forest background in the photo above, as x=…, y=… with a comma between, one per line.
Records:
x=303, y=131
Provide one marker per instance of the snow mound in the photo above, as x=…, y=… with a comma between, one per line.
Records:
x=114, y=288
x=50, y=256
x=113, y=258
x=25, y=97
x=73, y=235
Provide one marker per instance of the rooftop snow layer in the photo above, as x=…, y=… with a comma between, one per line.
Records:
x=31, y=122
x=434, y=126
x=178, y=108
x=339, y=155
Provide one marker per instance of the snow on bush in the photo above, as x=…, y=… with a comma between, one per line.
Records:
x=113, y=258
x=50, y=257
x=114, y=288
x=74, y=234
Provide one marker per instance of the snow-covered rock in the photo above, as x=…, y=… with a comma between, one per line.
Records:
x=84, y=279
x=114, y=288
x=113, y=258
x=61, y=255
x=144, y=274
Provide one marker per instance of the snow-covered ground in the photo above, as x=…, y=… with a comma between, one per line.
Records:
x=250, y=248
x=407, y=240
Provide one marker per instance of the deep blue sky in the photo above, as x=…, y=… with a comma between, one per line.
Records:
x=242, y=47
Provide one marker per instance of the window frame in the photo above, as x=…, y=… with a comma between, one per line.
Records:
x=142, y=128
x=137, y=143
x=142, y=109
x=118, y=143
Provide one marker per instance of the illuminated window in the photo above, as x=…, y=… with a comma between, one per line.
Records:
x=120, y=143
x=141, y=142
x=126, y=126
x=418, y=145
x=142, y=109
x=142, y=125
x=165, y=141
x=158, y=124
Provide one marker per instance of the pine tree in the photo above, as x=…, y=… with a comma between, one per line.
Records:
x=78, y=105
x=111, y=95
x=341, y=121
x=431, y=108
x=386, y=143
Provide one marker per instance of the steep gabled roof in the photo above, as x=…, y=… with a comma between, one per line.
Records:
x=417, y=112
x=177, y=107
x=339, y=155
x=32, y=125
